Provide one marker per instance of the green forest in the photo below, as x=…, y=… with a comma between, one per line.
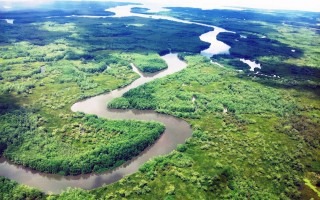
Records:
x=149, y=62
x=256, y=134
x=44, y=73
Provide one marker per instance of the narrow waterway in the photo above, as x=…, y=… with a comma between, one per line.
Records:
x=216, y=46
x=177, y=130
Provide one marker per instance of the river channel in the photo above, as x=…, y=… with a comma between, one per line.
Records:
x=176, y=132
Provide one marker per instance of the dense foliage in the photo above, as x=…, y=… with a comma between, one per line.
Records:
x=120, y=34
x=10, y=190
x=243, y=124
x=255, y=135
x=47, y=64
x=265, y=126
x=149, y=63
x=284, y=42
x=84, y=144
x=52, y=65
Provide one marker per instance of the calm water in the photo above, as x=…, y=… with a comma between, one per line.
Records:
x=216, y=46
x=177, y=130
x=252, y=64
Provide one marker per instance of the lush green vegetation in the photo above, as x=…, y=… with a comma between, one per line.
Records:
x=257, y=136
x=47, y=64
x=284, y=42
x=264, y=128
x=271, y=47
x=82, y=145
x=36, y=96
x=125, y=35
x=148, y=62
x=24, y=13
x=247, y=21
x=10, y=190
x=254, y=136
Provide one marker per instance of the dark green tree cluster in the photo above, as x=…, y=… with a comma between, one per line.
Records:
x=99, y=145
x=253, y=46
x=11, y=190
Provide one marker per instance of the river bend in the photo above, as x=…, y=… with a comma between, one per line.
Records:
x=176, y=132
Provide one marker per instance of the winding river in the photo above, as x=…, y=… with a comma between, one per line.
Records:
x=177, y=130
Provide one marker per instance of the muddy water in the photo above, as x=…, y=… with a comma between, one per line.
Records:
x=177, y=131
x=216, y=46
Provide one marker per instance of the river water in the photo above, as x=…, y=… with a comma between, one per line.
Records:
x=252, y=64
x=216, y=46
x=177, y=130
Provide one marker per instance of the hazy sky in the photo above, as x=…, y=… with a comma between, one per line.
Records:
x=307, y=5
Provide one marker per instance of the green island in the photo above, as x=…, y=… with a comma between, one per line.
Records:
x=149, y=63
x=255, y=135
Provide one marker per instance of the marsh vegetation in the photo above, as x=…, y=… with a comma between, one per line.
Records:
x=254, y=135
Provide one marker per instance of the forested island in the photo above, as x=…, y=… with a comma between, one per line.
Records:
x=255, y=131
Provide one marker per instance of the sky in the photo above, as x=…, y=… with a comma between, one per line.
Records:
x=305, y=5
